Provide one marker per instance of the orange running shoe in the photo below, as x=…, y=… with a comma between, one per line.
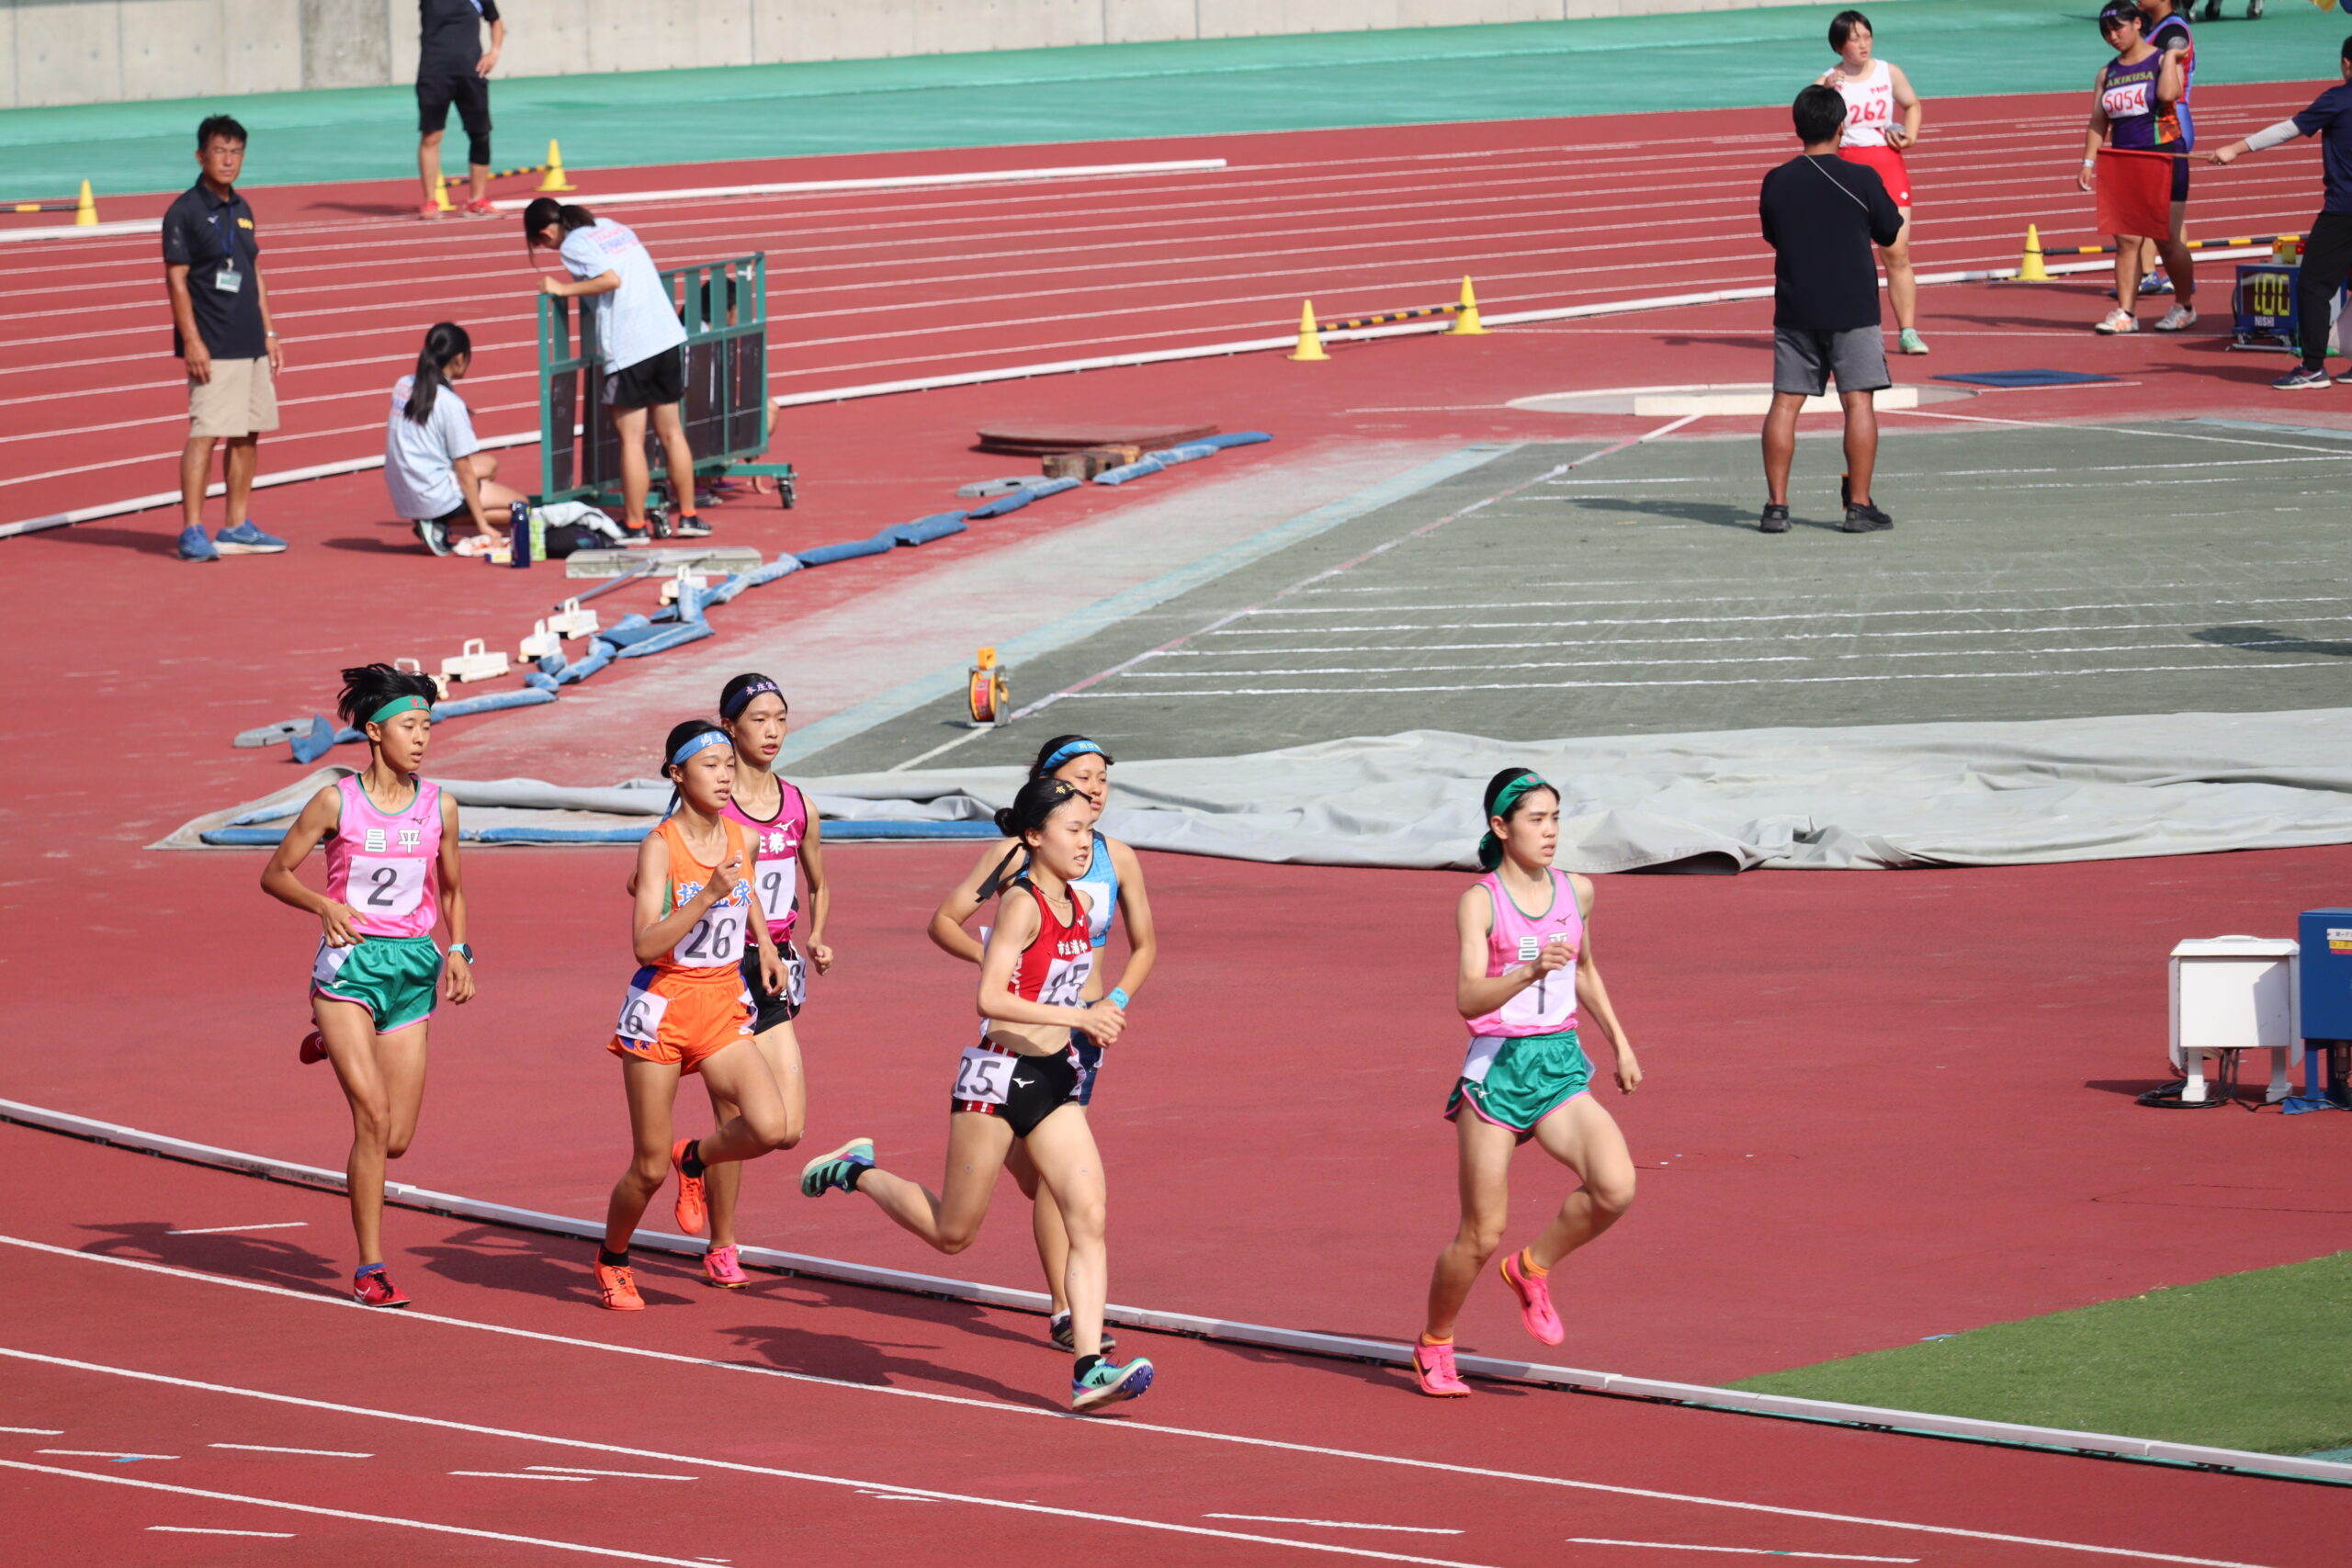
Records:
x=619, y=1287
x=692, y=1210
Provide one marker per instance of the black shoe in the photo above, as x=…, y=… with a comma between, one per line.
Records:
x=1774, y=521
x=689, y=528
x=1065, y=1339
x=1866, y=519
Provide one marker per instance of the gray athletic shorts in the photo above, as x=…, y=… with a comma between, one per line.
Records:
x=1804, y=360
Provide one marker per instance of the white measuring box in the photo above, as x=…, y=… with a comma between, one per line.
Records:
x=2234, y=993
x=476, y=661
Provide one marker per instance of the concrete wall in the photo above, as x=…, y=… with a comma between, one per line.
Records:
x=92, y=52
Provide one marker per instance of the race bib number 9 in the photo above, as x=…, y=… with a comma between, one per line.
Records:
x=778, y=892
x=386, y=889
x=642, y=1013
x=716, y=941
x=984, y=1077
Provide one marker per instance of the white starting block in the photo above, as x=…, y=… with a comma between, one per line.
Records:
x=674, y=589
x=539, y=644
x=573, y=621
x=2234, y=993
x=416, y=667
x=475, y=661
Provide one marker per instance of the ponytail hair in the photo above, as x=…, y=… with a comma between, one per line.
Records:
x=1504, y=792
x=444, y=340
x=545, y=211
x=1039, y=799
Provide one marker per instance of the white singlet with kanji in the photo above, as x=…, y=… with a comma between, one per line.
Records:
x=1870, y=105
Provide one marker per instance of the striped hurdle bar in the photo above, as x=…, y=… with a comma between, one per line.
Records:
x=552, y=169
x=1464, y=310
x=85, y=208
x=2236, y=245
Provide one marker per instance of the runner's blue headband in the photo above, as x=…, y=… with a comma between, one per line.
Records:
x=1063, y=753
x=398, y=706
x=704, y=742
x=745, y=697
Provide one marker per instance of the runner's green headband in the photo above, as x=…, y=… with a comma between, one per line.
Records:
x=400, y=706
x=1490, y=848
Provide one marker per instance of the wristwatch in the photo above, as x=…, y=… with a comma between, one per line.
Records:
x=464, y=950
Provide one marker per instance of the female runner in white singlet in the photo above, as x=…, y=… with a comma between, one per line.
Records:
x=1882, y=119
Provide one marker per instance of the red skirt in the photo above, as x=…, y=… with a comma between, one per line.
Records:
x=1889, y=165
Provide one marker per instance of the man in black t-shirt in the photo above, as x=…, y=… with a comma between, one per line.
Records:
x=1822, y=215
x=453, y=68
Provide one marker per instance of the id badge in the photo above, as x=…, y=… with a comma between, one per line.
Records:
x=228, y=280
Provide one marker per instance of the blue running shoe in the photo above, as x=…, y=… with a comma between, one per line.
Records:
x=838, y=1168
x=194, y=545
x=1107, y=1383
x=2302, y=379
x=244, y=539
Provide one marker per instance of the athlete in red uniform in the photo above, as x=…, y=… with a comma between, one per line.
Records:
x=1882, y=117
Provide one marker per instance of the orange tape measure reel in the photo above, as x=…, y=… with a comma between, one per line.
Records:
x=988, y=693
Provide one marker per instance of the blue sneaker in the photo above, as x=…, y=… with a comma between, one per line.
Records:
x=1107, y=1382
x=194, y=545
x=244, y=539
x=838, y=1168
x=2157, y=283
x=2303, y=378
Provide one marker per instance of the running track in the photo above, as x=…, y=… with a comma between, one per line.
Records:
x=887, y=286
x=161, y=1383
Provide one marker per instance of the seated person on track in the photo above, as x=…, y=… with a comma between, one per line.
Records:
x=437, y=471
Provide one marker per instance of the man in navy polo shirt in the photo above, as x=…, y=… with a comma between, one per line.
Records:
x=452, y=68
x=220, y=328
x=2327, y=249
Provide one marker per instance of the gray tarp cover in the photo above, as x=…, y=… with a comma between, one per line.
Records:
x=1889, y=796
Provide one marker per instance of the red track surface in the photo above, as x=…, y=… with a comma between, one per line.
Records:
x=809, y=1418
x=886, y=286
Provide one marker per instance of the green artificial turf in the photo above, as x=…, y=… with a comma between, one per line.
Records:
x=2260, y=1361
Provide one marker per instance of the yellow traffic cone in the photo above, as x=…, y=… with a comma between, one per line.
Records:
x=85, y=211
x=1310, y=342
x=2029, y=269
x=554, y=180
x=1465, y=319
x=441, y=195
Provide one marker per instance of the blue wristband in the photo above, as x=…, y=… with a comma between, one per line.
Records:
x=1118, y=998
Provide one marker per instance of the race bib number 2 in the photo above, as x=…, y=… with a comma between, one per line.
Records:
x=984, y=1075
x=386, y=889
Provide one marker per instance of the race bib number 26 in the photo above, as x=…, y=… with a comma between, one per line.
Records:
x=642, y=1013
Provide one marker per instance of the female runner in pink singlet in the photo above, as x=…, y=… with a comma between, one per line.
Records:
x=392, y=851
x=1526, y=962
x=787, y=845
x=1883, y=118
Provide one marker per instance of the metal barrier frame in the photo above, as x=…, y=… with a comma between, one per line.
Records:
x=723, y=306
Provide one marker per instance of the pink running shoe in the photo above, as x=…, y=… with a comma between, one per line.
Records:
x=314, y=1048
x=1535, y=1303
x=1433, y=1370
x=375, y=1289
x=721, y=1267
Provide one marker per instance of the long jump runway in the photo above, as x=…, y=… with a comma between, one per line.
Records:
x=179, y=1389
x=1562, y=589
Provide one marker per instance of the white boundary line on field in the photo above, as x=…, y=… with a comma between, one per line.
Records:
x=1302, y=1341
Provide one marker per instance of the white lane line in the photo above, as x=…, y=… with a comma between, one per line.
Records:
x=1743, y=1550
x=2174, y=648
x=193, y=1530
x=909, y=1494
x=100, y=1453
x=315, y=1453
x=623, y=1474
x=1332, y=1523
x=1329, y=651
x=2113, y=430
x=342, y=1514
x=37, y=1431
x=1757, y=681
x=223, y=1230
x=1955, y=609
x=1194, y=1433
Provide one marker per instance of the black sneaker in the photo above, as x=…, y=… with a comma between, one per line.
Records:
x=434, y=537
x=1064, y=1339
x=657, y=524
x=1774, y=521
x=1865, y=519
x=689, y=528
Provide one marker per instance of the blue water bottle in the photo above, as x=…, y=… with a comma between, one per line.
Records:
x=518, y=533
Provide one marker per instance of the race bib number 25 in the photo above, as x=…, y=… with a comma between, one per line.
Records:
x=984, y=1075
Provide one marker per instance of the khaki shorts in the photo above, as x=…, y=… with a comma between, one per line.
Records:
x=240, y=400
